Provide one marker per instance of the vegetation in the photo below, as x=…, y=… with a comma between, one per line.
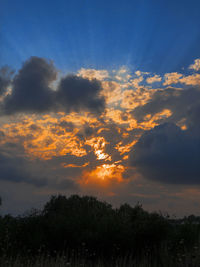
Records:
x=82, y=231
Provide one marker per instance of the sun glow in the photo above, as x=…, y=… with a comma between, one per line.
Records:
x=103, y=175
x=105, y=171
x=98, y=144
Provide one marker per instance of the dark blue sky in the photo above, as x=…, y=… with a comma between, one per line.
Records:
x=150, y=35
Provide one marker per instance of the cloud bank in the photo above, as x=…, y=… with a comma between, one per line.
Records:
x=168, y=154
x=99, y=132
x=32, y=90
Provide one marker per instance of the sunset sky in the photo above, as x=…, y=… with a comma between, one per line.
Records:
x=100, y=98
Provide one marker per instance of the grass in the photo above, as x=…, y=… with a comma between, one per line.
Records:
x=163, y=260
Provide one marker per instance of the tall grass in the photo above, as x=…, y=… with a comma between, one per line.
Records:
x=161, y=259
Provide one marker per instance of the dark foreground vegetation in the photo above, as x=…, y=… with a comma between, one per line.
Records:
x=82, y=231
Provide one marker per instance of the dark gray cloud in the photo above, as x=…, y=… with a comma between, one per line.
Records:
x=32, y=92
x=14, y=169
x=65, y=184
x=77, y=93
x=182, y=103
x=168, y=154
x=5, y=79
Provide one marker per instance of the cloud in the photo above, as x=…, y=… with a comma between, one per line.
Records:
x=32, y=91
x=76, y=93
x=196, y=65
x=191, y=80
x=135, y=82
x=61, y=149
x=18, y=168
x=5, y=79
x=172, y=78
x=122, y=75
x=134, y=98
x=181, y=103
x=153, y=79
x=112, y=92
x=168, y=155
x=14, y=169
x=93, y=74
x=139, y=73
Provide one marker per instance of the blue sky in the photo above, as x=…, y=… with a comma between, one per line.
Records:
x=156, y=36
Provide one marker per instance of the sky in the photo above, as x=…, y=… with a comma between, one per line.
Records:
x=100, y=98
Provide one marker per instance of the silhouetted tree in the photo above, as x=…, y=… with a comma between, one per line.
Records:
x=87, y=224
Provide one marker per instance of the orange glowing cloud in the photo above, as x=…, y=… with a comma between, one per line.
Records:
x=44, y=137
x=125, y=148
x=103, y=175
x=172, y=78
x=196, y=65
x=93, y=74
x=98, y=144
x=153, y=79
x=134, y=98
x=112, y=92
x=152, y=121
x=191, y=79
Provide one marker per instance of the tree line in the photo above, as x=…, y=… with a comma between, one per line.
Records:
x=94, y=227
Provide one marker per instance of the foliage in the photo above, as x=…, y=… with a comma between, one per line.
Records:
x=95, y=231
